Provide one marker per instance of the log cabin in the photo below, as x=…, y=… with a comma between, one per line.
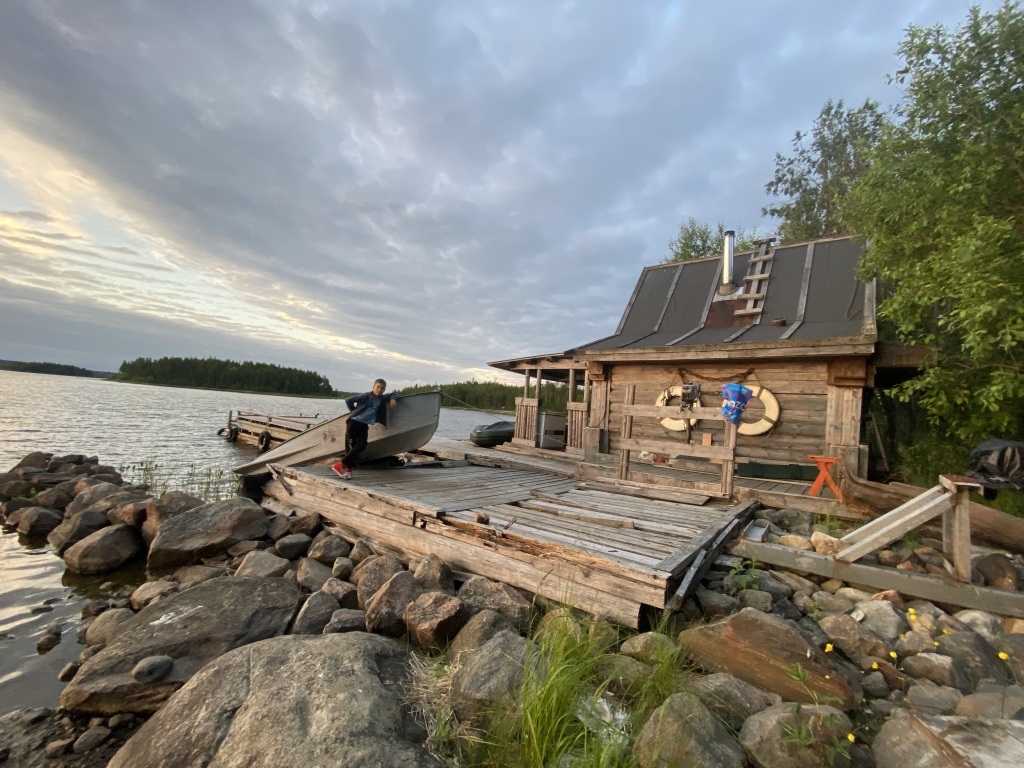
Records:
x=792, y=322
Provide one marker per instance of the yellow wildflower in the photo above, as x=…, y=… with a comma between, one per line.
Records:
x=1004, y=655
x=828, y=647
x=935, y=643
x=851, y=737
x=893, y=654
x=912, y=617
x=874, y=665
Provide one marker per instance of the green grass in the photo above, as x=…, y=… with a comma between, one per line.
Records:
x=566, y=715
x=207, y=484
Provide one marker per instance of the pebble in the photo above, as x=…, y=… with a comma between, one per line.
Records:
x=91, y=739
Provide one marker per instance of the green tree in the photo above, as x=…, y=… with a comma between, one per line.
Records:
x=697, y=240
x=942, y=206
x=812, y=182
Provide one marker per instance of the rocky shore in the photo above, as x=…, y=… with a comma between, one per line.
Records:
x=265, y=640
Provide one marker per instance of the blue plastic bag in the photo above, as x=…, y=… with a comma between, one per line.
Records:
x=736, y=398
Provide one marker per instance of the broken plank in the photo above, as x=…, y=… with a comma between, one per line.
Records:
x=641, y=491
x=938, y=589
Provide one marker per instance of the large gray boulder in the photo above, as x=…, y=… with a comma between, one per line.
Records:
x=159, y=511
x=90, y=496
x=192, y=627
x=304, y=701
x=768, y=739
x=206, y=531
x=74, y=529
x=105, y=550
x=34, y=521
x=488, y=677
x=683, y=732
x=479, y=593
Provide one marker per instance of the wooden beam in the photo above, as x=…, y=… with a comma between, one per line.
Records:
x=937, y=589
x=778, y=350
x=627, y=431
x=897, y=526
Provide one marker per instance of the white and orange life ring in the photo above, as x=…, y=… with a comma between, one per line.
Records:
x=765, y=424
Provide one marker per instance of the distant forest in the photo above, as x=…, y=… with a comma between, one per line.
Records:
x=57, y=369
x=211, y=373
x=491, y=396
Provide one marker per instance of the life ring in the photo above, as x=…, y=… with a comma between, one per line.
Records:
x=668, y=423
x=263, y=441
x=766, y=424
x=771, y=414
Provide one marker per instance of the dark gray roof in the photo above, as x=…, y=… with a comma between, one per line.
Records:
x=813, y=287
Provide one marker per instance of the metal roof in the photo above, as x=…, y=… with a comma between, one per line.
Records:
x=812, y=293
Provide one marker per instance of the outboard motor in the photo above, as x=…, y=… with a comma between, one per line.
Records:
x=998, y=465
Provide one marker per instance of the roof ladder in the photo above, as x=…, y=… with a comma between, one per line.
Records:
x=755, y=284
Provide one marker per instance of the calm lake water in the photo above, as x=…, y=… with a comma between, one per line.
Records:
x=122, y=424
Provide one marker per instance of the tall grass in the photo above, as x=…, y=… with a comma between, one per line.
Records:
x=566, y=714
x=207, y=484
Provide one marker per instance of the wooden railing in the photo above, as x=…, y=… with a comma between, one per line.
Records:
x=526, y=421
x=724, y=453
x=577, y=421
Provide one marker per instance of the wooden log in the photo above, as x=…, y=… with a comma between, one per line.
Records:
x=988, y=526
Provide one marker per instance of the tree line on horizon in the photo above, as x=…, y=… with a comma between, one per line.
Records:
x=58, y=369
x=492, y=395
x=212, y=373
x=934, y=185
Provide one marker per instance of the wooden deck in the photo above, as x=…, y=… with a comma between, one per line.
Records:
x=607, y=552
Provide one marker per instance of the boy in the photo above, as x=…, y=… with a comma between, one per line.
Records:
x=364, y=410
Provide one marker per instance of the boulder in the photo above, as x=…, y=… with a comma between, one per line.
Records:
x=933, y=699
x=855, y=640
x=433, y=618
x=998, y=571
x=346, y=620
x=373, y=573
x=90, y=496
x=75, y=528
x=730, y=699
x=314, y=615
x=386, y=608
x=978, y=659
x=206, y=531
x=171, y=504
x=716, y=604
x=342, y=568
x=311, y=575
x=307, y=523
x=478, y=630
x=342, y=591
x=488, y=677
x=328, y=547
x=763, y=649
x=883, y=619
x=767, y=737
x=293, y=546
x=304, y=701
x=918, y=740
x=106, y=550
x=939, y=669
x=193, y=627
x=57, y=497
x=108, y=625
x=622, y=675
x=131, y=513
x=262, y=563
x=479, y=593
x=649, y=647
x=146, y=593
x=35, y=521
x=1004, y=704
x=434, y=575
x=683, y=732
x=985, y=624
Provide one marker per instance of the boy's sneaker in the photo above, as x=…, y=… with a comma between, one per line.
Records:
x=341, y=470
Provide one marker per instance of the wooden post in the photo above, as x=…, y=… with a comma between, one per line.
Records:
x=627, y=434
x=956, y=525
x=729, y=465
x=526, y=385
x=229, y=420
x=572, y=385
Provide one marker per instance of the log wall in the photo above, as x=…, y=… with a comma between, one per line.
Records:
x=817, y=417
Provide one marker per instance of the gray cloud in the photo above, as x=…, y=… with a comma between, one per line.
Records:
x=450, y=181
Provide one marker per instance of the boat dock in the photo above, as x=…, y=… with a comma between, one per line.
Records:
x=252, y=428
x=608, y=549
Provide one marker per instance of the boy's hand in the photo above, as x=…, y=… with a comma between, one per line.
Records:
x=392, y=403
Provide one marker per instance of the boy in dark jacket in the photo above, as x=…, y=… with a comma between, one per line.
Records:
x=365, y=409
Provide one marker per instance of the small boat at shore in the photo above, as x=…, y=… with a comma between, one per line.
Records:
x=411, y=424
x=490, y=435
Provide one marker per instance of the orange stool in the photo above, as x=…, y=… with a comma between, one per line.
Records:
x=824, y=476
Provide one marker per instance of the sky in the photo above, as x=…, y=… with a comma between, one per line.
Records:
x=398, y=189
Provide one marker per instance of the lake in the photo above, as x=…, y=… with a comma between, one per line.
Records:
x=122, y=424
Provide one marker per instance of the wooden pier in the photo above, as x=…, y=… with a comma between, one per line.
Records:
x=265, y=430
x=609, y=550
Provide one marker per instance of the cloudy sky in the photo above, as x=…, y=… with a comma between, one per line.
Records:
x=404, y=189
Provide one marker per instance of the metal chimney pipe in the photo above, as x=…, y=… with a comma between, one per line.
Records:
x=727, y=259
